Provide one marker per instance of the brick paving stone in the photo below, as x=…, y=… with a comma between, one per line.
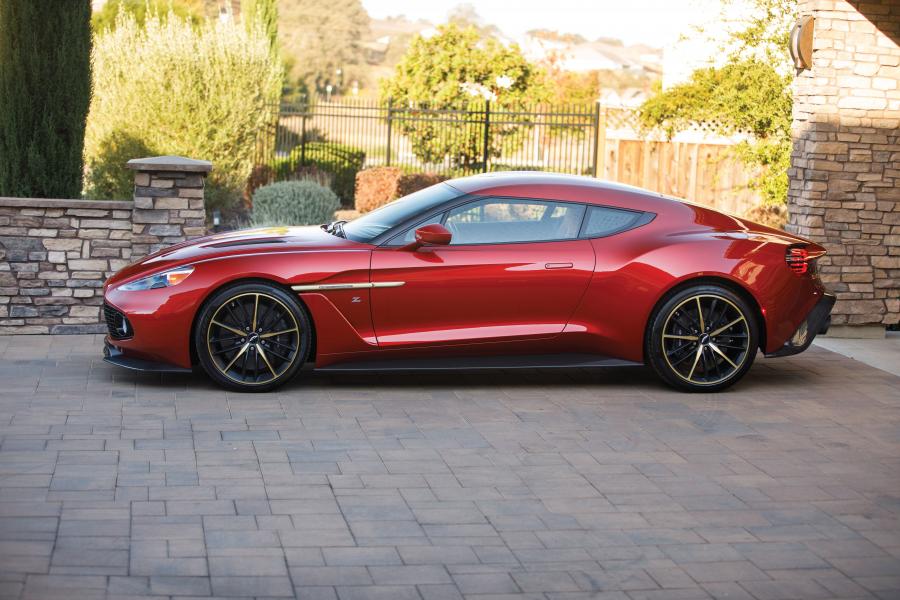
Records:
x=552, y=486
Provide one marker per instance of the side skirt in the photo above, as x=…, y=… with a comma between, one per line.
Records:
x=479, y=363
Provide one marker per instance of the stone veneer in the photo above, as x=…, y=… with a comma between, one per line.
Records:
x=845, y=175
x=56, y=254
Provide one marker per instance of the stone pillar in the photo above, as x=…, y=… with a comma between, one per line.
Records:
x=845, y=167
x=168, y=202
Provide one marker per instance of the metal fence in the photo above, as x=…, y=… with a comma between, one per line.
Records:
x=342, y=136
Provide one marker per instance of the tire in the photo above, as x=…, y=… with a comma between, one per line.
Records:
x=703, y=338
x=259, y=360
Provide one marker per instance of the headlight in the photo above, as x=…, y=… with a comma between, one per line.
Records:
x=160, y=280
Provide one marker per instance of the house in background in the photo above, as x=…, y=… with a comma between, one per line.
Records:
x=845, y=171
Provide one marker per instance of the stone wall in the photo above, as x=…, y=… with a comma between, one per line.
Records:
x=56, y=254
x=845, y=175
x=54, y=257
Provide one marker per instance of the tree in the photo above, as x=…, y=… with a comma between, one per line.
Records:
x=750, y=92
x=455, y=68
x=170, y=87
x=321, y=37
x=466, y=15
x=45, y=89
x=105, y=18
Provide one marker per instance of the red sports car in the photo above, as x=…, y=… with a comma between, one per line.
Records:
x=491, y=271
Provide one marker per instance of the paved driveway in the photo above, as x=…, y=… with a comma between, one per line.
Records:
x=556, y=485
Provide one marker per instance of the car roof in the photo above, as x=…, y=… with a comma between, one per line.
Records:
x=536, y=184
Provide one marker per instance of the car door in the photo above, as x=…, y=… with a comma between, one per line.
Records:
x=514, y=269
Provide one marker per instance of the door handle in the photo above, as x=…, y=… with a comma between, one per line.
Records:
x=558, y=266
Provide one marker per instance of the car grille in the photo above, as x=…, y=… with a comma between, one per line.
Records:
x=117, y=323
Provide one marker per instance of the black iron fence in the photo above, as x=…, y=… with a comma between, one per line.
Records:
x=341, y=137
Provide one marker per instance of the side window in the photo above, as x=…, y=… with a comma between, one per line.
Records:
x=503, y=220
x=602, y=221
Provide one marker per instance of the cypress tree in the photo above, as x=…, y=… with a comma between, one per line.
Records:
x=45, y=90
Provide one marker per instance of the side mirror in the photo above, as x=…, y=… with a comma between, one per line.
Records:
x=430, y=235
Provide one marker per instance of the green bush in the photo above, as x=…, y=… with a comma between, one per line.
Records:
x=293, y=203
x=198, y=91
x=107, y=176
x=339, y=160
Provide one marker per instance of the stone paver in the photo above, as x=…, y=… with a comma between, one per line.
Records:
x=545, y=485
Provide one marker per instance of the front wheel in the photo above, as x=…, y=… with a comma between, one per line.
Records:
x=252, y=337
x=702, y=339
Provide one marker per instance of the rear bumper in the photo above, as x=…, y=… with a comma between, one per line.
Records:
x=115, y=356
x=817, y=321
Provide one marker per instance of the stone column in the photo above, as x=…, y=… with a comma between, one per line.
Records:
x=845, y=167
x=168, y=202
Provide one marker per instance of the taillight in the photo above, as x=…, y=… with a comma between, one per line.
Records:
x=797, y=259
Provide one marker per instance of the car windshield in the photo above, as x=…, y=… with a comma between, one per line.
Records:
x=369, y=226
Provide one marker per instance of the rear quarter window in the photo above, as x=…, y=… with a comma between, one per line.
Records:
x=603, y=221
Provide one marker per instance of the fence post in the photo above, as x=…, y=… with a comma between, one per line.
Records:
x=599, y=167
x=390, y=112
x=486, y=140
x=303, y=138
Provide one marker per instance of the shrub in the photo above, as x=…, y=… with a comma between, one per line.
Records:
x=771, y=215
x=293, y=203
x=203, y=92
x=105, y=18
x=413, y=182
x=45, y=88
x=107, y=176
x=377, y=186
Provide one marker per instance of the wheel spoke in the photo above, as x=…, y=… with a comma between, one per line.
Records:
x=700, y=314
x=233, y=316
x=692, y=338
x=719, y=331
x=262, y=354
x=696, y=360
x=716, y=349
x=266, y=336
x=241, y=352
x=229, y=328
x=255, y=312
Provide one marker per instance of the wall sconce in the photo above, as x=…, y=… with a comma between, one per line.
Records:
x=801, y=43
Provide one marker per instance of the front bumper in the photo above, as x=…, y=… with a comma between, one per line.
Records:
x=115, y=356
x=816, y=322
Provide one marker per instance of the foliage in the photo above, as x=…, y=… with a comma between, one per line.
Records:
x=105, y=18
x=377, y=186
x=321, y=36
x=107, y=176
x=293, y=203
x=749, y=92
x=340, y=161
x=450, y=70
x=45, y=88
x=201, y=92
x=262, y=13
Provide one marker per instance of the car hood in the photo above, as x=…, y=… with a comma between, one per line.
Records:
x=234, y=243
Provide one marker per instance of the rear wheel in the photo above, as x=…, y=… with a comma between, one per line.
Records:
x=252, y=337
x=702, y=339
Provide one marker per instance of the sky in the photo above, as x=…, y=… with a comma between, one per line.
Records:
x=653, y=22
